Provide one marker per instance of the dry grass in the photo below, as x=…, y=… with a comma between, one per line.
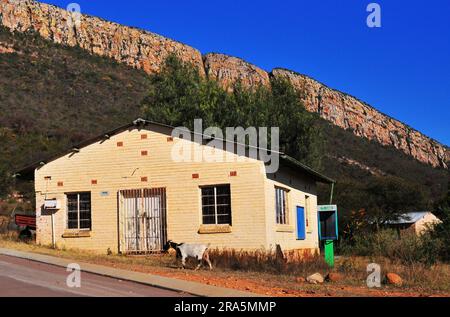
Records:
x=415, y=276
x=267, y=262
x=4, y=221
x=264, y=273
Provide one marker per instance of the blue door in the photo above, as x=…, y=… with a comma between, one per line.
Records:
x=301, y=230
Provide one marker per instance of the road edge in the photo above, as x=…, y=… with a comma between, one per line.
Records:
x=193, y=288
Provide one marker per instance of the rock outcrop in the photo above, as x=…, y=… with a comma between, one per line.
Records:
x=228, y=70
x=348, y=112
x=145, y=50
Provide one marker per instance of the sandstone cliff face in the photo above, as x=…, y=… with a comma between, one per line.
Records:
x=229, y=70
x=147, y=51
x=134, y=47
x=349, y=113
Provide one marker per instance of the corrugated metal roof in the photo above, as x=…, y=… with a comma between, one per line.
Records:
x=409, y=217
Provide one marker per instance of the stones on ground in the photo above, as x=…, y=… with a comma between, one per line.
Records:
x=393, y=279
x=300, y=279
x=316, y=278
x=334, y=277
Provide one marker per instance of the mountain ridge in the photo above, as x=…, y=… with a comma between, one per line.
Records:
x=146, y=50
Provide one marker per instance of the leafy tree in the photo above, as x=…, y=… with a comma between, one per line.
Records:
x=389, y=197
x=301, y=136
x=367, y=207
x=178, y=95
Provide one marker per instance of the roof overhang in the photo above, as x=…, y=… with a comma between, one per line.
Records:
x=27, y=172
x=286, y=160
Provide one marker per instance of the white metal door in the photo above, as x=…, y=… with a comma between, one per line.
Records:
x=143, y=219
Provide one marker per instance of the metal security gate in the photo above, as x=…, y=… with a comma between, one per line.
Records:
x=142, y=220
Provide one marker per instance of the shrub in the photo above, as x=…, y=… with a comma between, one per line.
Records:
x=407, y=249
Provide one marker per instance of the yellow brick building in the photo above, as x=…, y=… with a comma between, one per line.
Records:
x=122, y=191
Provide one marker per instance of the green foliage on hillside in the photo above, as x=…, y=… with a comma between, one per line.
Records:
x=383, y=160
x=385, y=197
x=178, y=95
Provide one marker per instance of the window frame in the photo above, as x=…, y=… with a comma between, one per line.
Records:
x=216, y=205
x=280, y=216
x=308, y=218
x=78, y=194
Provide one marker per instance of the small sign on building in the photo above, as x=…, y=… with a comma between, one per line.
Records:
x=52, y=204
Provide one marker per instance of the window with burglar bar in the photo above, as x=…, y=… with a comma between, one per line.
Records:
x=216, y=205
x=79, y=211
x=281, y=206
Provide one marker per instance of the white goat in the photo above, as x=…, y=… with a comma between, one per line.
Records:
x=186, y=250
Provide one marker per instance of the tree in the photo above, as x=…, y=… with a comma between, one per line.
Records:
x=301, y=136
x=178, y=95
x=368, y=206
x=389, y=197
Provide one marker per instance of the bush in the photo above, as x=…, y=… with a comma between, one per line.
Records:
x=408, y=250
x=412, y=249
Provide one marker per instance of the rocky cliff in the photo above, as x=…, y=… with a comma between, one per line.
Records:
x=348, y=112
x=147, y=51
x=228, y=70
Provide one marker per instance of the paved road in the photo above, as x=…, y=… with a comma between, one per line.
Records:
x=19, y=277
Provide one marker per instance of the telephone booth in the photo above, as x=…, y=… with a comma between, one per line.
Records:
x=328, y=230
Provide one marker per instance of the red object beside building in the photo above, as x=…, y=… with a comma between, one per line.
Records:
x=26, y=221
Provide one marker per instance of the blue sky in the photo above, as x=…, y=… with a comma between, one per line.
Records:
x=402, y=68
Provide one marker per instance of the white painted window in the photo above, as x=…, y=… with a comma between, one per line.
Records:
x=79, y=211
x=216, y=205
x=281, y=206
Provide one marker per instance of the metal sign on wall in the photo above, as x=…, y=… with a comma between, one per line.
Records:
x=327, y=208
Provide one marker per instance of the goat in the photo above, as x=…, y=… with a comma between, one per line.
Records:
x=185, y=250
